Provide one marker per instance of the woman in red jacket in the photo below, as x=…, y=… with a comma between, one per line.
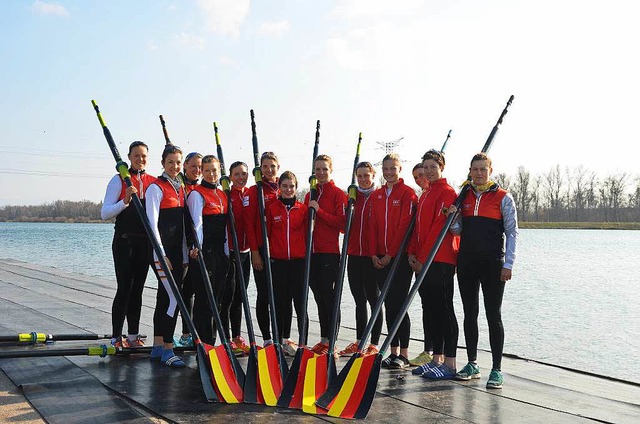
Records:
x=437, y=289
x=287, y=230
x=330, y=220
x=360, y=268
x=393, y=205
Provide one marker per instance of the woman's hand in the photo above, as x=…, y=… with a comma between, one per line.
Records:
x=128, y=193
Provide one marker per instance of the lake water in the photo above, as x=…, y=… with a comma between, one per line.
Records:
x=573, y=300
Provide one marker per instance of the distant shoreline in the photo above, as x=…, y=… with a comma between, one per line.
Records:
x=522, y=224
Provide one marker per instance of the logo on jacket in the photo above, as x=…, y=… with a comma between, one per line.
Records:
x=277, y=218
x=396, y=202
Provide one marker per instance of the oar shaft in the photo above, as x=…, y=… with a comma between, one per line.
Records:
x=434, y=250
x=164, y=131
x=446, y=140
x=35, y=337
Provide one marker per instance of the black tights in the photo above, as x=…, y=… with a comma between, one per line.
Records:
x=324, y=271
x=364, y=289
x=473, y=273
x=395, y=298
x=235, y=312
x=287, y=287
x=437, y=292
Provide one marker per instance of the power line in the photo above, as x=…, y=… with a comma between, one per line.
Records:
x=51, y=174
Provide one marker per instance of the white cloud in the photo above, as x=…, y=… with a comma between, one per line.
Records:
x=43, y=8
x=225, y=17
x=274, y=28
x=369, y=8
x=189, y=41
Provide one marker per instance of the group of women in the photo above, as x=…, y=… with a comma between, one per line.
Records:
x=176, y=202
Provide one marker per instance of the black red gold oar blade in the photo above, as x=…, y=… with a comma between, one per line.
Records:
x=269, y=374
x=315, y=383
x=224, y=377
x=206, y=376
x=334, y=387
x=359, y=388
x=284, y=401
x=251, y=385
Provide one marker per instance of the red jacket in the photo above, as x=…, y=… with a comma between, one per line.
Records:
x=252, y=213
x=391, y=217
x=287, y=230
x=330, y=219
x=239, y=199
x=359, y=243
x=430, y=221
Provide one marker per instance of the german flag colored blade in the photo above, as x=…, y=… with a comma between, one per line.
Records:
x=225, y=379
x=291, y=396
x=358, y=389
x=206, y=373
x=324, y=401
x=315, y=384
x=252, y=392
x=269, y=374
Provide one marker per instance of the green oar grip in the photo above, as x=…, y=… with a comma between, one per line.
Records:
x=32, y=337
x=353, y=192
x=101, y=351
x=257, y=174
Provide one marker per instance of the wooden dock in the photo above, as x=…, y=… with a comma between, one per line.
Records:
x=132, y=389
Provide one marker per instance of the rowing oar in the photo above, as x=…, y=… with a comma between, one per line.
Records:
x=321, y=370
x=446, y=140
x=354, y=397
x=161, y=266
x=102, y=351
x=252, y=394
x=228, y=376
x=293, y=389
x=272, y=368
x=35, y=337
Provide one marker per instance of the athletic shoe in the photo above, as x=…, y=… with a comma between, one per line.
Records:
x=289, y=348
x=386, y=362
x=495, y=380
x=267, y=343
x=424, y=358
x=399, y=362
x=470, y=371
x=440, y=372
x=242, y=348
x=349, y=350
x=424, y=368
x=156, y=353
x=121, y=342
x=186, y=341
x=320, y=348
x=372, y=350
x=136, y=343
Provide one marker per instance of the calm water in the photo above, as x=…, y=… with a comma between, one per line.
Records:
x=573, y=300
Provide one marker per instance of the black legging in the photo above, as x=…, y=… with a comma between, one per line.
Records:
x=364, y=289
x=287, y=286
x=262, y=299
x=437, y=290
x=131, y=260
x=324, y=271
x=187, y=291
x=235, y=312
x=473, y=273
x=395, y=298
x=164, y=322
x=217, y=265
x=427, y=322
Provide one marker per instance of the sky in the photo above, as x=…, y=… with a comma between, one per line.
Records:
x=407, y=69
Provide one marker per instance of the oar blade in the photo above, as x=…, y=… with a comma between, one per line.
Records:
x=324, y=401
x=225, y=379
x=292, y=392
x=359, y=388
x=269, y=374
x=206, y=374
x=315, y=384
x=251, y=385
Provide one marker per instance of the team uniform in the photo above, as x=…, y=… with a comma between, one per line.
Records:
x=208, y=207
x=254, y=238
x=287, y=223
x=325, y=257
x=392, y=210
x=437, y=289
x=131, y=251
x=191, y=278
x=489, y=230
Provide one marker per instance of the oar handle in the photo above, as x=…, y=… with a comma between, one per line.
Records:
x=446, y=140
x=164, y=130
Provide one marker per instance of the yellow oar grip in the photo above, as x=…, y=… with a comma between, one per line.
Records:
x=32, y=337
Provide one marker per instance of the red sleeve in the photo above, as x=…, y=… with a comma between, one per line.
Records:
x=407, y=209
x=372, y=227
x=445, y=199
x=306, y=198
x=251, y=219
x=335, y=217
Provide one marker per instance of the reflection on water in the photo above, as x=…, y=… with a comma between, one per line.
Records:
x=573, y=297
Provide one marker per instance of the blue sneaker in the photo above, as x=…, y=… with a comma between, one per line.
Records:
x=171, y=359
x=424, y=368
x=156, y=353
x=441, y=372
x=495, y=380
x=185, y=341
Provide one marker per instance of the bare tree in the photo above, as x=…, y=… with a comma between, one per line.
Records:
x=521, y=194
x=553, y=182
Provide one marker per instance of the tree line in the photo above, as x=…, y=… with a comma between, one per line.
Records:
x=558, y=195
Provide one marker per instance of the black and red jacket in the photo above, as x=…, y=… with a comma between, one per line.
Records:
x=128, y=222
x=482, y=225
x=252, y=212
x=171, y=215
x=330, y=218
x=432, y=215
x=239, y=199
x=214, y=215
x=391, y=217
x=287, y=230
x=359, y=239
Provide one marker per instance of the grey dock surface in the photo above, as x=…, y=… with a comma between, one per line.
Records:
x=132, y=389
